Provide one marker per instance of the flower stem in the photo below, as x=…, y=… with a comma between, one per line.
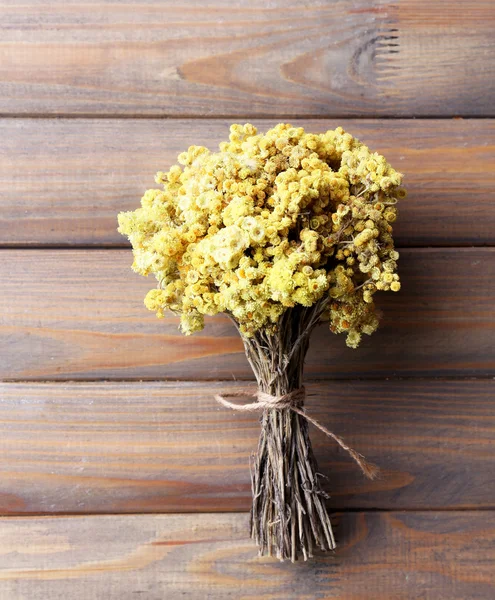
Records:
x=289, y=518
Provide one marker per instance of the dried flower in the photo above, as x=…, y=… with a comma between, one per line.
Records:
x=278, y=230
x=269, y=222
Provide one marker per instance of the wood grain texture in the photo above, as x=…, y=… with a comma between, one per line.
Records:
x=395, y=556
x=113, y=446
x=168, y=447
x=79, y=314
x=62, y=182
x=407, y=58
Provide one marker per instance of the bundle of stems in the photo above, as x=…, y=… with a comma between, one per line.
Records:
x=289, y=518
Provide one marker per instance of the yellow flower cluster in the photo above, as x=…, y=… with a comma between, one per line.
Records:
x=269, y=222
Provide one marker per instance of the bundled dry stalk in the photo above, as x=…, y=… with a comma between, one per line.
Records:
x=288, y=516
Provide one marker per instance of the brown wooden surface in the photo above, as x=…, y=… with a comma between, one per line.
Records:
x=412, y=58
x=79, y=314
x=395, y=556
x=80, y=85
x=62, y=182
x=169, y=447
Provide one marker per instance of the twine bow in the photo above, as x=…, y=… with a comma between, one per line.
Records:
x=294, y=401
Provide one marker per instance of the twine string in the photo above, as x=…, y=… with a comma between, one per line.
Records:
x=294, y=401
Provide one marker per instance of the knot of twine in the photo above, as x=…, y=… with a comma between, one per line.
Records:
x=294, y=401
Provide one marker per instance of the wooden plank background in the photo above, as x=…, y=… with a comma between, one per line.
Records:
x=169, y=447
x=46, y=199
x=119, y=474
x=248, y=57
x=79, y=314
x=209, y=556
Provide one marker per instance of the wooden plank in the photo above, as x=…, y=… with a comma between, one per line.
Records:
x=63, y=182
x=79, y=314
x=383, y=57
x=168, y=447
x=404, y=556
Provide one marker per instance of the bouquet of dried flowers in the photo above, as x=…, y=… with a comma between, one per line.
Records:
x=281, y=231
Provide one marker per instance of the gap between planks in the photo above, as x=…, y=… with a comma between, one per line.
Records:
x=227, y=117
x=351, y=510
x=124, y=246
x=307, y=381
